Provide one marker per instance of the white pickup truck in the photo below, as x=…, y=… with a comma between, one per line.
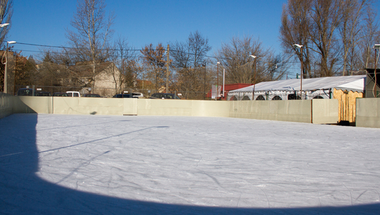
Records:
x=73, y=93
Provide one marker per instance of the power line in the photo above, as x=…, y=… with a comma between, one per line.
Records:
x=65, y=47
x=133, y=50
x=49, y=46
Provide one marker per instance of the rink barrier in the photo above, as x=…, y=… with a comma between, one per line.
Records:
x=325, y=111
x=368, y=112
x=6, y=105
x=286, y=110
x=321, y=111
x=12, y=104
x=318, y=111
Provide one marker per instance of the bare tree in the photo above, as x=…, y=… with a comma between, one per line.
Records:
x=352, y=13
x=235, y=58
x=327, y=17
x=6, y=11
x=189, y=61
x=370, y=36
x=93, y=31
x=125, y=60
x=276, y=67
x=296, y=22
x=331, y=31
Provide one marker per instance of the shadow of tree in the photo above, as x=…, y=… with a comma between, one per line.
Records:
x=22, y=192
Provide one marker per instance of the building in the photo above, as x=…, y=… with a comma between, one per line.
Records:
x=106, y=81
x=370, y=83
x=227, y=89
x=343, y=88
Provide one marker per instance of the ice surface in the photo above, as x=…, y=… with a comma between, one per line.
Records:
x=61, y=164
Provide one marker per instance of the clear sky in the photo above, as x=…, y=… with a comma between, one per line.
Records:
x=44, y=22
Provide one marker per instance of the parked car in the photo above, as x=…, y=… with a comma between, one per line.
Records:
x=60, y=94
x=91, y=95
x=42, y=93
x=122, y=96
x=164, y=96
x=73, y=93
x=137, y=95
x=25, y=92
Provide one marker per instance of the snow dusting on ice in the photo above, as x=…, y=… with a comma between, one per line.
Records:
x=185, y=165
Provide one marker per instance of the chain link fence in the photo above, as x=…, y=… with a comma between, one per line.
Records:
x=103, y=92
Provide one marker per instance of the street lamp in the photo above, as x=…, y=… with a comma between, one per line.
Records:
x=254, y=77
x=6, y=67
x=3, y=25
x=204, y=81
x=300, y=47
x=376, y=47
x=217, y=79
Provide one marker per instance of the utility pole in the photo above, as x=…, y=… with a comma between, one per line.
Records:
x=6, y=71
x=167, y=69
x=6, y=67
x=301, y=59
x=254, y=76
x=301, y=71
x=217, y=80
x=204, y=82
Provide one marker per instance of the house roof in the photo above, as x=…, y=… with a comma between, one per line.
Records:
x=229, y=87
x=353, y=83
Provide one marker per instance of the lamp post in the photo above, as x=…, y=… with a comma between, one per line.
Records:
x=204, y=82
x=376, y=47
x=6, y=67
x=254, y=77
x=3, y=25
x=224, y=81
x=217, y=79
x=300, y=47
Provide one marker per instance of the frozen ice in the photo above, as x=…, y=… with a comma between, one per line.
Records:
x=73, y=164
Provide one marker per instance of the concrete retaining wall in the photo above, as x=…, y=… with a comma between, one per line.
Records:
x=316, y=111
x=158, y=107
x=87, y=106
x=32, y=104
x=368, y=112
x=279, y=110
x=325, y=111
x=6, y=105
x=113, y=106
x=12, y=104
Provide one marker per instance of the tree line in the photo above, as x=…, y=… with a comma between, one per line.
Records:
x=336, y=35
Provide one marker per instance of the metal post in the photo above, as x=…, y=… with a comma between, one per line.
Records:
x=301, y=71
x=6, y=71
x=254, y=81
x=217, y=80
x=204, y=83
x=224, y=80
x=374, y=73
x=167, y=70
x=14, y=79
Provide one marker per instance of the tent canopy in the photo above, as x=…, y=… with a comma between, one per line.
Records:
x=352, y=83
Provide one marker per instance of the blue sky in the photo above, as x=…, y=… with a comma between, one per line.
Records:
x=143, y=22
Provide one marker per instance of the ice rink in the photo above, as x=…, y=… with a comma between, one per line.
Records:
x=67, y=164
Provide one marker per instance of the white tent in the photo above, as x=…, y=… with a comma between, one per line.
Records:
x=312, y=88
